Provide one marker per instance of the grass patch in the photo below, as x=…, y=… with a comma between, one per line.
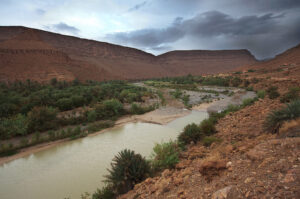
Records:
x=291, y=95
x=273, y=92
x=261, y=94
x=276, y=118
x=165, y=155
x=208, y=140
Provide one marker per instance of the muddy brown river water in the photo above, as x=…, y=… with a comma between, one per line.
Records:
x=75, y=167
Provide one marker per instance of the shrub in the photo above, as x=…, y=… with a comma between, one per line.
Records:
x=165, y=155
x=273, y=92
x=128, y=169
x=36, y=137
x=248, y=102
x=231, y=108
x=207, y=127
x=97, y=126
x=191, y=133
x=176, y=94
x=24, y=142
x=291, y=95
x=51, y=135
x=10, y=127
x=64, y=104
x=109, y=108
x=251, y=70
x=254, y=80
x=236, y=81
x=215, y=116
x=105, y=193
x=208, y=140
x=77, y=100
x=261, y=94
x=186, y=99
x=250, y=88
x=42, y=118
x=276, y=118
x=91, y=116
x=246, y=83
x=136, y=109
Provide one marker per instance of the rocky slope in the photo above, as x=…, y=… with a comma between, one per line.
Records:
x=248, y=163
x=39, y=55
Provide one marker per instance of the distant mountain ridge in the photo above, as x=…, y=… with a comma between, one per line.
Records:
x=27, y=53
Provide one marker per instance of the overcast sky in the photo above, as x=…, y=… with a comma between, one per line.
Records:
x=265, y=27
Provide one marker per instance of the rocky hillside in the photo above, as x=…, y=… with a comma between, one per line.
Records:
x=39, y=55
x=249, y=162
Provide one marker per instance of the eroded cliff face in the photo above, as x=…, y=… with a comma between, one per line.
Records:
x=39, y=55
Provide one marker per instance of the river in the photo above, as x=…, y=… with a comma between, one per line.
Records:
x=75, y=167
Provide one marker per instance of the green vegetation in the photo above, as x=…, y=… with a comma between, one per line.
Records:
x=34, y=108
x=261, y=94
x=291, y=95
x=191, y=133
x=105, y=193
x=98, y=126
x=137, y=109
x=190, y=82
x=161, y=96
x=207, y=126
x=251, y=71
x=208, y=140
x=186, y=99
x=273, y=92
x=195, y=133
x=276, y=118
x=248, y=102
x=165, y=155
x=176, y=94
x=127, y=169
x=238, y=73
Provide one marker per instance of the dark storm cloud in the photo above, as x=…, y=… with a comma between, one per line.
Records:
x=148, y=38
x=272, y=5
x=245, y=30
x=63, y=27
x=216, y=23
x=137, y=6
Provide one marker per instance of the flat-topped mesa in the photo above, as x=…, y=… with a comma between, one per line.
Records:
x=41, y=53
x=207, y=53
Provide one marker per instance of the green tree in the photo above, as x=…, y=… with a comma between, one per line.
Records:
x=127, y=169
x=42, y=118
x=64, y=104
x=17, y=125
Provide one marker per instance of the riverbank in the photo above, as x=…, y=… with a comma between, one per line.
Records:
x=159, y=116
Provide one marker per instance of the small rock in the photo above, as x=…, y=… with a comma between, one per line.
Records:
x=255, y=155
x=226, y=193
x=248, y=180
x=228, y=164
x=247, y=194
